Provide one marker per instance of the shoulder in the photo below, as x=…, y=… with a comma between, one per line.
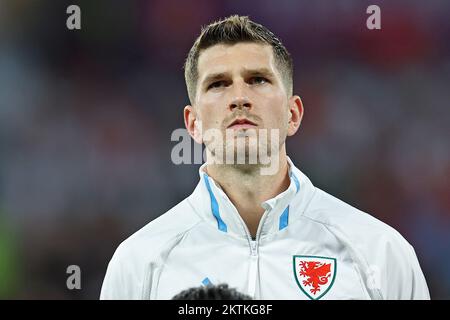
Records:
x=137, y=256
x=382, y=253
x=348, y=220
x=161, y=232
x=176, y=221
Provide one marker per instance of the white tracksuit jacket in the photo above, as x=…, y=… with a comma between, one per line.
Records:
x=309, y=245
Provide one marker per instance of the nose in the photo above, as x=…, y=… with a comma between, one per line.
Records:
x=240, y=99
x=240, y=102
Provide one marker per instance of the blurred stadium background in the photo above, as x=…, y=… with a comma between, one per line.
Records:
x=86, y=118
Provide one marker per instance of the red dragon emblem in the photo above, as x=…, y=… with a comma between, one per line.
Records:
x=317, y=274
x=314, y=275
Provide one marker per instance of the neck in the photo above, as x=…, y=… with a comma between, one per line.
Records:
x=247, y=188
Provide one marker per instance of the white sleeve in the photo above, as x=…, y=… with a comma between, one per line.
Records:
x=122, y=280
x=405, y=280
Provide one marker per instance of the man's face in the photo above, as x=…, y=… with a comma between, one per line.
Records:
x=240, y=90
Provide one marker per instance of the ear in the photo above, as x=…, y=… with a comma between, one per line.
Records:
x=192, y=124
x=295, y=114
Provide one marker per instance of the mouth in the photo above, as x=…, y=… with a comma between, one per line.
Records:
x=242, y=123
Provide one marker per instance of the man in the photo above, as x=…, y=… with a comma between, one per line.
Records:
x=270, y=234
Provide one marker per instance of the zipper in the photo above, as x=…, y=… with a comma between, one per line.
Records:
x=254, y=255
x=253, y=269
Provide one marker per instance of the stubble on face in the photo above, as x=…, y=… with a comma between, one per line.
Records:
x=239, y=148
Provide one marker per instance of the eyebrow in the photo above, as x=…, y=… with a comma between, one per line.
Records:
x=252, y=72
x=214, y=76
x=259, y=71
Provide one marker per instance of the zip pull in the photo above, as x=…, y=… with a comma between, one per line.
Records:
x=253, y=245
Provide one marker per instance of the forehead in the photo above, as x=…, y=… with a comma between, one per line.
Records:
x=227, y=58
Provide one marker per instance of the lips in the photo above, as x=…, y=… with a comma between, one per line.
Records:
x=242, y=123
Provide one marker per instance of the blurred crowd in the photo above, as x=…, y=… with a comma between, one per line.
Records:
x=86, y=118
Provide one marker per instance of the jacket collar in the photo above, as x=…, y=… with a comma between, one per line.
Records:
x=215, y=207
